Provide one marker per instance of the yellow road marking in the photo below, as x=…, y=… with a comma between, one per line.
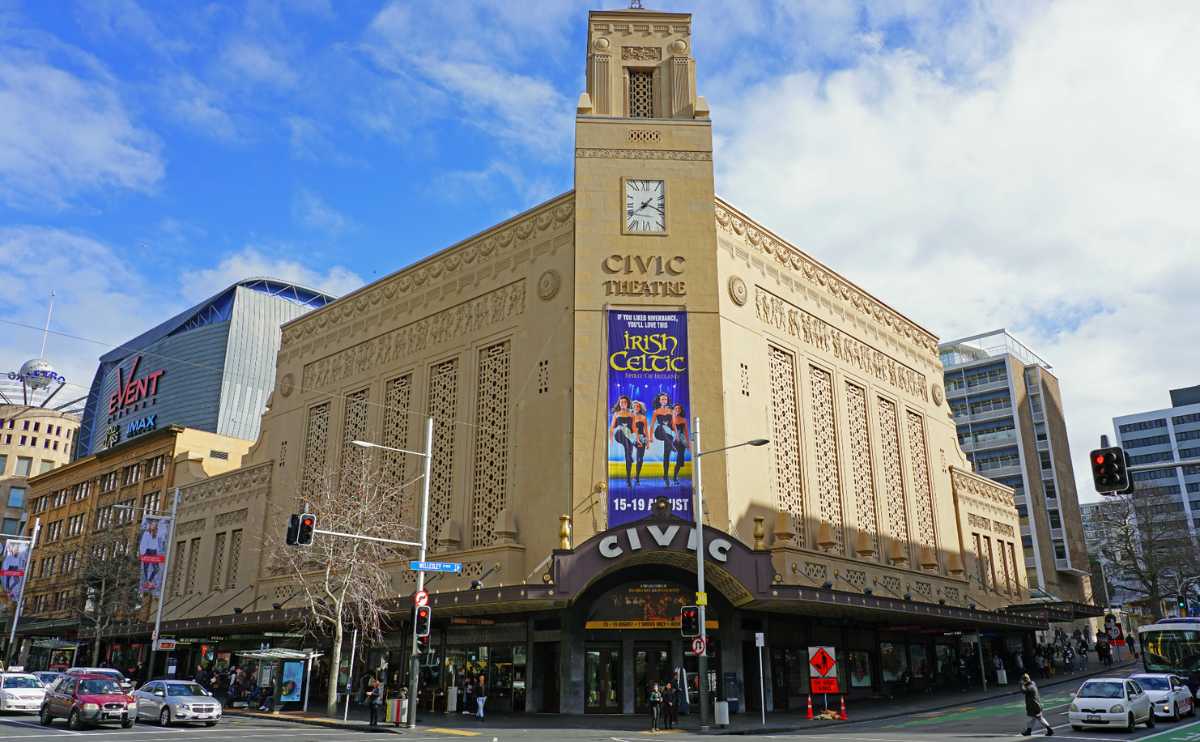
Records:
x=458, y=732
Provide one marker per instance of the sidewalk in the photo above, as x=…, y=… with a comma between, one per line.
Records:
x=744, y=723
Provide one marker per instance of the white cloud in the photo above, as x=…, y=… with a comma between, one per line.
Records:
x=255, y=62
x=254, y=261
x=199, y=106
x=66, y=133
x=313, y=212
x=1051, y=189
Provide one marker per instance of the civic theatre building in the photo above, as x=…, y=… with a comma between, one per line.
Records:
x=568, y=355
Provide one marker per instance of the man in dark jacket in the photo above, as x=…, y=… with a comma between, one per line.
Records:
x=1033, y=707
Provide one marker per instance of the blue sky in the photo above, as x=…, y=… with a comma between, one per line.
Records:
x=974, y=164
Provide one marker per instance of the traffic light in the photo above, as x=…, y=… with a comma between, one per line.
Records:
x=689, y=620
x=293, y=529
x=304, y=532
x=424, y=616
x=1183, y=607
x=1110, y=469
x=422, y=644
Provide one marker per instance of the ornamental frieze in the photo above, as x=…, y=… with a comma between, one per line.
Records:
x=973, y=485
x=481, y=313
x=819, y=334
x=643, y=154
x=758, y=238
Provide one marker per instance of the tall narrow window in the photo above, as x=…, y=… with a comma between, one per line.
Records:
x=641, y=94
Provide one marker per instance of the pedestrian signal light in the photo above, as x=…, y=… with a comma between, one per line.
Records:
x=1110, y=469
x=1183, y=606
x=689, y=620
x=424, y=617
x=304, y=532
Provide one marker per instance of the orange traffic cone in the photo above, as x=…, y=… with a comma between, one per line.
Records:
x=809, y=716
x=842, y=715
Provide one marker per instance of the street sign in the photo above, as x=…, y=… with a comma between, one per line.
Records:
x=421, y=598
x=698, y=646
x=823, y=661
x=454, y=567
x=701, y=598
x=164, y=645
x=760, y=639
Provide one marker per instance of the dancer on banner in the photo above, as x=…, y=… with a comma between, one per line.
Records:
x=152, y=552
x=16, y=554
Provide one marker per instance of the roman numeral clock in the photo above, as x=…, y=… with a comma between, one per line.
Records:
x=645, y=207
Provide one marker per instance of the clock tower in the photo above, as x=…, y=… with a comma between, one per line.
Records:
x=645, y=232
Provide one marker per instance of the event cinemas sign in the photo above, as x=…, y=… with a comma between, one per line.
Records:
x=131, y=390
x=635, y=539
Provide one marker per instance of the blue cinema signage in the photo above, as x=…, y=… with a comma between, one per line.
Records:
x=142, y=425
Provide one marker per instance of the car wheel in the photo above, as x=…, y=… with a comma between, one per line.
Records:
x=1077, y=728
x=164, y=718
x=1129, y=726
x=1175, y=715
x=45, y=717
x=75, y=721
x=210, y=723
x=127, y=723
x=1150, y=719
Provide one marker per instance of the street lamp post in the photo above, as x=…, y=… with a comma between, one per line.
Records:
x=414, y=669
x=702, y=660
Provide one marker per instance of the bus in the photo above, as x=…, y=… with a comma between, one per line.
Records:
x=1172, y=645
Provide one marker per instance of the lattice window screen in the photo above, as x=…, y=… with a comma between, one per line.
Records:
x=354, y=428
x=893, y=474
x=922, y=491
x=214, y=578
x=235, y=556
x=491, y=442
x=442, y=405
x=178, y=568
x=641, y=94
x=785, y=437
x=862, y=478
x=315, y=442
x=1012, y=567
x=825, y=450
x=193, y=565
x=396, y=413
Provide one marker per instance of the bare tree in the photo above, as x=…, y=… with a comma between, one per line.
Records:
x=342, y=582
x=108, y=582
x=1147, y=545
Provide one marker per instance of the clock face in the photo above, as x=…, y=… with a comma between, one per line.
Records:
x=645, y=206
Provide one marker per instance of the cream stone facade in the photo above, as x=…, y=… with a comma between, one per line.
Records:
x=862, y=494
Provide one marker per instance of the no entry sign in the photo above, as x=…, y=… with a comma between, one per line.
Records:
x=823, y=678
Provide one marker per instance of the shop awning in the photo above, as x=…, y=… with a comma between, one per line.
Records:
x=277, y=654
x=54, y=644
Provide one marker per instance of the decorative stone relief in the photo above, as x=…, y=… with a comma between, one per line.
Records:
x=738, y=291
x=643, y=154
x=218, y=564
x=924, y=589
x=490, y=491
x=825, y=453
x=190, y=527
x=785, y=435
x=601, y=44
x=816, y=572
x=862, y=477
x=891, y=583
x=548, y=284
x=950, y=594
x=979, y=487
x=641, y=53
x=857, y=578
x=235, y=558
x=922, y=489
x=397, y=398
x=443, y=406
x=978, y=521
x=231, y=518
x=893, y=476
x=287, y=383
x=936, y=392
x=759, y=239
x=1003, y=528
x=315, y=441
x=678, y=46
x=797, y=323
x=471, y=317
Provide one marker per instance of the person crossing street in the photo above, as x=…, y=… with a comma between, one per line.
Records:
x=1033, y=707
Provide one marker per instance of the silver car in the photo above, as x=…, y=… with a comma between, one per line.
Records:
x=170, y=701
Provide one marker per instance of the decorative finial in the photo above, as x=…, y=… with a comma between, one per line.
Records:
x=635, y=5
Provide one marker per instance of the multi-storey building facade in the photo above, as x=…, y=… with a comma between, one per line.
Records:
x=1007, y=408
x=33, y=440
x=532, y=345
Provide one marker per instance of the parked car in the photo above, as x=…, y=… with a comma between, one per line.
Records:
x=48, y=677
x=1168, y=693
x=125, y=683
x=21, y=691
x=87, y=699
x=1110, y=702
x=169, y=701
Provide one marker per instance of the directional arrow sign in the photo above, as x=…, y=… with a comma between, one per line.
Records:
x=454, y=567
x=421, y=598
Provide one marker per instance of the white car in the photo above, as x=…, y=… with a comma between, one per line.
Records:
x=21, y=691
x=1168, y=693
x=1110, y=702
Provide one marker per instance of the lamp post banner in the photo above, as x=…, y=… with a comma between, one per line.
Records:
x=648, y=441
x=12, y=570
x=152, y=551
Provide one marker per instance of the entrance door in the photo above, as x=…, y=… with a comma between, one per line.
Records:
x=651, y=664
x=602, y=680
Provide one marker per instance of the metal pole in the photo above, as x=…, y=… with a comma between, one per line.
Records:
x=762, y=692
x=162, y=588
x=307, y=682
x=350, y=675
x=979, y=652
x=12, y=633
x=702, y=660
x=414, y=669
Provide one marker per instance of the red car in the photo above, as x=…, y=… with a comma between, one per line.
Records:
x=87, y=700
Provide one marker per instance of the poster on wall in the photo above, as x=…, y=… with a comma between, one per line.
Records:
x=642, y=605
x=649, y=409
x=291, y=680
x=152, y=552
x=12, y=569
x=892, y=661
x=860, y=669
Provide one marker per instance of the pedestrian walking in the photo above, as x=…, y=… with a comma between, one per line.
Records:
x=1001, y=673
x=1033, y=707
x=655, y=701
x=1131, y=641
x=374, y=700
x=480, y=699
x=670, y=705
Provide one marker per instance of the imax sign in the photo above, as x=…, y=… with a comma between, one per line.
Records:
x=144, y=425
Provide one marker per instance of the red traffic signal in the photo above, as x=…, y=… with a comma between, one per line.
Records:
x=424, y=618
x=304, y=533
x=1110, y=470
x=689, y=620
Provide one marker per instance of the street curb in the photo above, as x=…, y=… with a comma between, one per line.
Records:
x=323, y=723
x=825, y=724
